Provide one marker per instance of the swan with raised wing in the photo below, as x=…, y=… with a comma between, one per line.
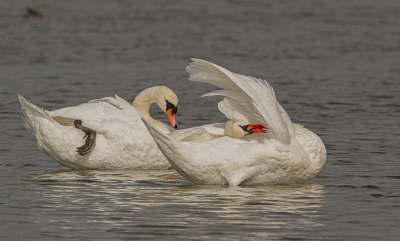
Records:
x=116, y=138
x=259, y=145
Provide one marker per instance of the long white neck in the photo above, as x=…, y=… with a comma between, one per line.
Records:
x=143, y=102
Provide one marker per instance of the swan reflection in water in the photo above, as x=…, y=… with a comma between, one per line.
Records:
x=147, y=198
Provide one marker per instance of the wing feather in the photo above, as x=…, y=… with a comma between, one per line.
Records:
x=247, y=98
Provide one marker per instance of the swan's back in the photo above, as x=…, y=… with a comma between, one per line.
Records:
x=313, y=146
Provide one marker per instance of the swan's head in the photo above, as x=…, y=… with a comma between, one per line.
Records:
x=168, y=102
x=163, y=96
x=239, y=129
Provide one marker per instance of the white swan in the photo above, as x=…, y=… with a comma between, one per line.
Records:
x=116, y=138
x=287, y=154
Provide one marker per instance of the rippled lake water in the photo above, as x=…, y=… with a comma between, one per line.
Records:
x=334, y=66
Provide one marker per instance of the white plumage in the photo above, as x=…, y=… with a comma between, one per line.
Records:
x=122, y=140
x=287, y=154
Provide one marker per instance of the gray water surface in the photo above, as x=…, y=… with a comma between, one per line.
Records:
x=334, y=66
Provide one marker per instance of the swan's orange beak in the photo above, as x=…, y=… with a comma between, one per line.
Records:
x=257, y=128
x=171, y=117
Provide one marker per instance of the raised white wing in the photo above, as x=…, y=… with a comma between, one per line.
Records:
x=247, y=98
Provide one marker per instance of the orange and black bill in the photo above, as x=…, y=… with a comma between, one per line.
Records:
x=257, y=128
x=171, y=111
x=172, y=119
x=250, y=129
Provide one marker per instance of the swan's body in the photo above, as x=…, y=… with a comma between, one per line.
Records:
x=287, y=154
x=122, y=140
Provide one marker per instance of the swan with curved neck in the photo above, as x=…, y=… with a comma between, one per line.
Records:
x=165, y=98
x=115, y=136
x=259, y=145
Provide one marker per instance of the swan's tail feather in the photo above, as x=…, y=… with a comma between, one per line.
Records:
x=26, y=122
x=163, y=141
x=175, y=152
x=31, y=112
x=172, y=149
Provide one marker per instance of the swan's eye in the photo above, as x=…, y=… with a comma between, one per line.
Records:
x=249, y=131
x=169, y=106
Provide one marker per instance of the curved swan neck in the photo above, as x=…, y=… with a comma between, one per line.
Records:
x=144, y=100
